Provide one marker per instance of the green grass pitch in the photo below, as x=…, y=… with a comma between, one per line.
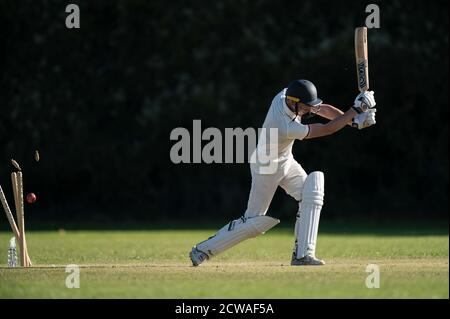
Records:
x=155, y=264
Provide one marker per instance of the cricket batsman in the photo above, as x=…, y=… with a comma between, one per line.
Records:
x=285, y=114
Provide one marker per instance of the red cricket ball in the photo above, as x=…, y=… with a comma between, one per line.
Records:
x=31, y=198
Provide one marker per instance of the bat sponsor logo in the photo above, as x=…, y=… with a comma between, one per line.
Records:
x=362, y=74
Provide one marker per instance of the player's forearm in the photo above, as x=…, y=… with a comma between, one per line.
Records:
x=318, y=130
x=339, y=122
x=330, y=112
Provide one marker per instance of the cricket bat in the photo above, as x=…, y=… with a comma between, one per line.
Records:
x=362, y=59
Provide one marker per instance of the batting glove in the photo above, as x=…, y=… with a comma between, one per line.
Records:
x=365, y=119
x=364, y=101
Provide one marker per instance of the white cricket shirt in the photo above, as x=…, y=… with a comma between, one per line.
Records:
x=289, y=128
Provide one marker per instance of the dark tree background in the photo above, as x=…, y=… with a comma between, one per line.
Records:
x=99, y=104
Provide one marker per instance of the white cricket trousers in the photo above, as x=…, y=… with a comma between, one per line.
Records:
x=291, y=177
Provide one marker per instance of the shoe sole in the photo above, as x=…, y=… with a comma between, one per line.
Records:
x=192, y=260
x=300, y=263
x=307, y=264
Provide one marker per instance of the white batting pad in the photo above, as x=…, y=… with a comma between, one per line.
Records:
x=307, y=223
x=235, y=232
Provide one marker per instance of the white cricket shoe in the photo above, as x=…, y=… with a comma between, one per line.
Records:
x=306, y=261
x=197, y=256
